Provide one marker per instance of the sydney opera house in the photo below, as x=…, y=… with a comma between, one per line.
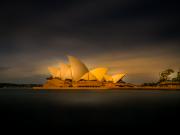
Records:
x=76, y=75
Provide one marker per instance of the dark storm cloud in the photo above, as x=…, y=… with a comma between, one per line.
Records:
x=36, y=33
x=2, y=69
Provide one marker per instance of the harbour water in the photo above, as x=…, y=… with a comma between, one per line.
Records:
x=85, y=108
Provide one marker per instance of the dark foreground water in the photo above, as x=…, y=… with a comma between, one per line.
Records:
x=101, y=109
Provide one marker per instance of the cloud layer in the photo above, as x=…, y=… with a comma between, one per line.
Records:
x=138, y=37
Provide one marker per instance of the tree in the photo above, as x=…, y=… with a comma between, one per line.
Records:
x=178, y=76
x=177, y=79
x=164, y=76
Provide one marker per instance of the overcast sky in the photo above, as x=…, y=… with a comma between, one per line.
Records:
x=138, y=37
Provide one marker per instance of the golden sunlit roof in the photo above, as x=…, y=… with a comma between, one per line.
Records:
x=117, y=77
x=89, y=77
x=65, y=71
x=78, y=68
x=55, y=72
x=108, y=78
x=99, y=73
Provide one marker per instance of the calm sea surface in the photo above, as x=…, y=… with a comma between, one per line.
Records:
x=97, y=108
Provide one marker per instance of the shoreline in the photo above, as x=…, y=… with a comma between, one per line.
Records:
x=101, y=88
x=93, y=89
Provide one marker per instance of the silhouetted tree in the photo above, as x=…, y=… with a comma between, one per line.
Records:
x=164, y=76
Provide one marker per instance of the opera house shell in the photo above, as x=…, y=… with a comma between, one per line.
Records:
x=76, y=74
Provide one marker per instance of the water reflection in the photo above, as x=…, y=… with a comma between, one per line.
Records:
x=90, y=98
x=100, y=108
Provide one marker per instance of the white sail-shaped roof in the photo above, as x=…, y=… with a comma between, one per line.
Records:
x=117, y=77
x=55, y=72
x=66, y=72
x=78, y=68
x=108, y=78
x=99, y=73
x=88, y=77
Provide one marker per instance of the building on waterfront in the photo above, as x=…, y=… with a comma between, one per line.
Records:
x=76, y=74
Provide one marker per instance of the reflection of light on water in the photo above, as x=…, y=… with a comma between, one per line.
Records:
x=86, y=98
x=100, y=98
x=83, y=98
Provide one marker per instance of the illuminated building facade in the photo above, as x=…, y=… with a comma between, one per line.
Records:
x=76, y=74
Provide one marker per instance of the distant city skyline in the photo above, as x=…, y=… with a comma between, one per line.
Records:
x=140, y=38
